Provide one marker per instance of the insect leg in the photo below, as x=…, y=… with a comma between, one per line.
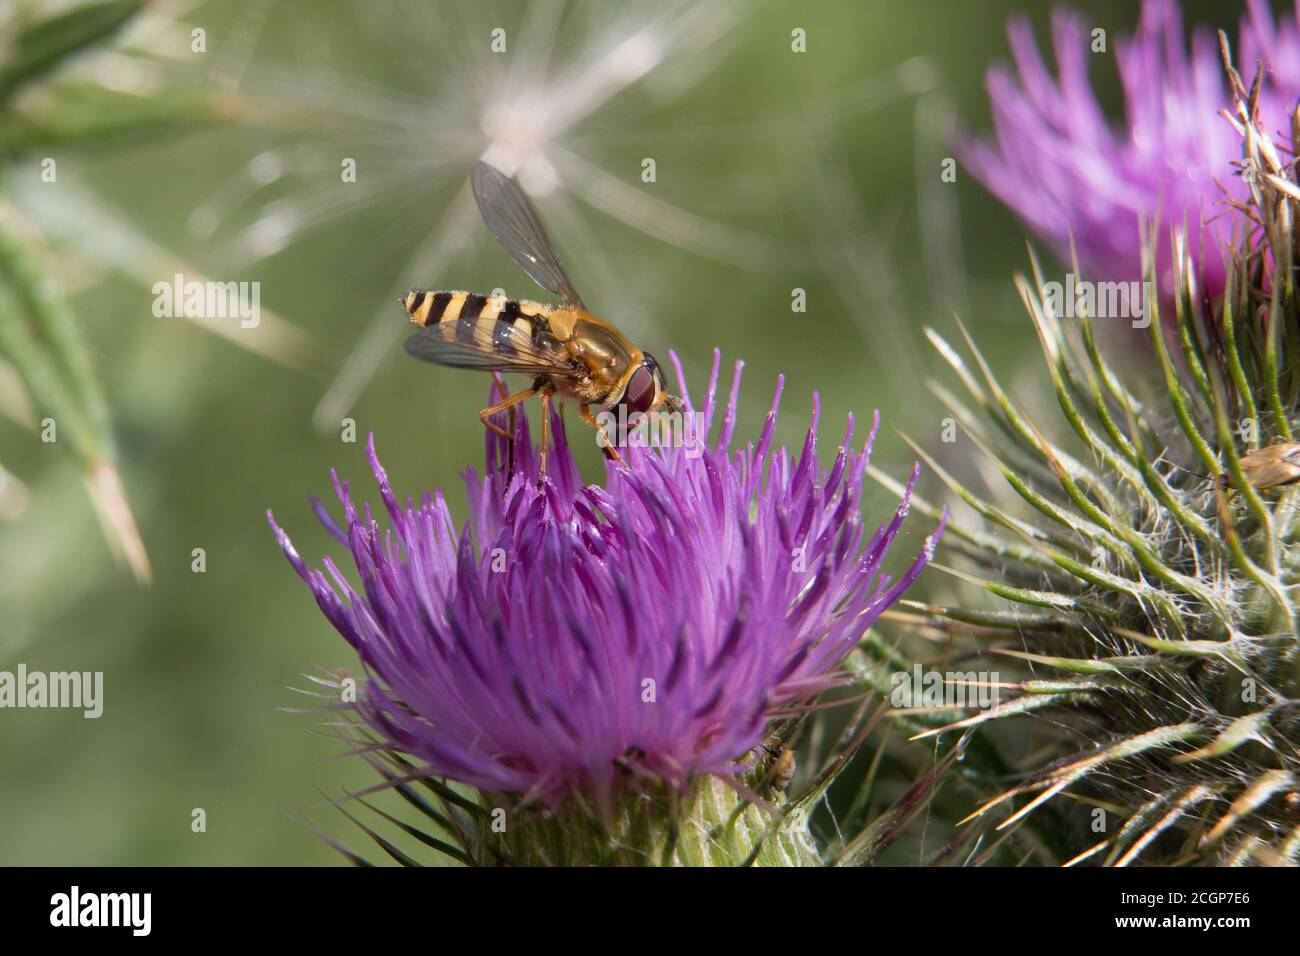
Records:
x=510, y=422
x=501, y=406
x=545, y=396
x=503, y=393
x=605, y=446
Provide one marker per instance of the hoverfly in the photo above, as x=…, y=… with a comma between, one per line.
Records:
x=570, y=353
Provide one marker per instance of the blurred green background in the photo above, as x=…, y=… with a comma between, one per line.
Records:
x=774, y=171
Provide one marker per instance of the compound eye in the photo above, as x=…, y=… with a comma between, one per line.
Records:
x=640, y=393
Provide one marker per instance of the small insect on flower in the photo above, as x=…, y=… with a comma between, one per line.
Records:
x=570, y=353
x=1270, y=467
x=783, y=766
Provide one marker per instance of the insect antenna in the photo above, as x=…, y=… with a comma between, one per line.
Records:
x=1188, y=471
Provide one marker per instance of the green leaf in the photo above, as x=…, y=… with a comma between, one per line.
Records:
x=54, y=327
x=44, y=45
x=77, y=115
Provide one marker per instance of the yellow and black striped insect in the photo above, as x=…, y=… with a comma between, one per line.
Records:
x=570, y=353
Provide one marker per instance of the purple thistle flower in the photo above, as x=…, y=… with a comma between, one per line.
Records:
x=514, y=654
x=1062, y=168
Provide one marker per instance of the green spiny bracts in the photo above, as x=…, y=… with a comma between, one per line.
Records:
x=1146, y=559
x=761, y=818
x=710, y=824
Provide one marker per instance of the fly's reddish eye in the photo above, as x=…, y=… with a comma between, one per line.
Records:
x=640, y=393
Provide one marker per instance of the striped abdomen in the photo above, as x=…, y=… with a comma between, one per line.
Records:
x=481, y=320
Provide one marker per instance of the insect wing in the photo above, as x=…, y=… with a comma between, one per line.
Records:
x=1272, y=466
x=512, y=219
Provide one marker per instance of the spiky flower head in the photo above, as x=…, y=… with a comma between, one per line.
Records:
x=1151, y=572
x=1067, y=171
x=579, y=643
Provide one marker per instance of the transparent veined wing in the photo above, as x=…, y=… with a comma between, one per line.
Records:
x=512, y=219
x=486, y=346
